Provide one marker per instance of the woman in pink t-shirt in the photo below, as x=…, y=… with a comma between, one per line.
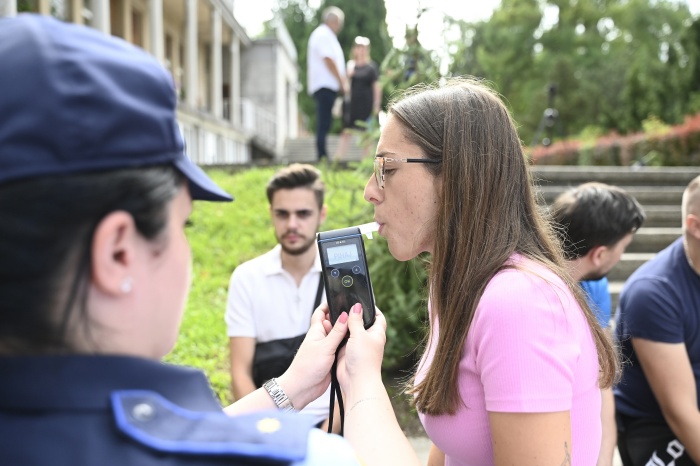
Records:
x=515, y=359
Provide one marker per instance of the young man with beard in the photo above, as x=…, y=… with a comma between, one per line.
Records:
x=271, y=298
x=596, y=222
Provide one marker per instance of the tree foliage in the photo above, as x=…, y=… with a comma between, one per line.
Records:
x=614, y=63
x=410, y=65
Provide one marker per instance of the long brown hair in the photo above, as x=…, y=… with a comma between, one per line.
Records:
x=487, y=212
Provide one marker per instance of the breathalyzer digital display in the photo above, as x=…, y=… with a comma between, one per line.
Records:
x=342, y=254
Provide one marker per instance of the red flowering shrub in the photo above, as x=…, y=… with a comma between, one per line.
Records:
x=671, y=146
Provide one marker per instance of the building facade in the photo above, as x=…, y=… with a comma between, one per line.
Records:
x=237, y=96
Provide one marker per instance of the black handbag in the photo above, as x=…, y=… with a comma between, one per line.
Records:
x=274, y=357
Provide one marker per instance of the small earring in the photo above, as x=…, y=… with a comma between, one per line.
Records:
x=127, y=285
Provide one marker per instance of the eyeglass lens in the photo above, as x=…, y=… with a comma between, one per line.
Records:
x=379, y=171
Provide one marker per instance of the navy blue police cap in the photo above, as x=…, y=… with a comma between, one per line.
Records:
x=75, y=100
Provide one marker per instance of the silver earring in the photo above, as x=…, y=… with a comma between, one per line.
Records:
x=127, y=285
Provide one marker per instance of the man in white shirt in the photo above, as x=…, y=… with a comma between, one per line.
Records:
x=325, y=72
x=271, y=297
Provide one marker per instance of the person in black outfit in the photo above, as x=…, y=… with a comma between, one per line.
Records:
x=362, y=103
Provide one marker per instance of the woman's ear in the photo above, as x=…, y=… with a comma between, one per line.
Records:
x=113, y=252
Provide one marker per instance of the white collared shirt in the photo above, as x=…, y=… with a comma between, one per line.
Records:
x=265, y=303
x=323, y=44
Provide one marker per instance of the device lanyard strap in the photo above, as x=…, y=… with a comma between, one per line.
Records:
x=319, y=293
x=335, y=389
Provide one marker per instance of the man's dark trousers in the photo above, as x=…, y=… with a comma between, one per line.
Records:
x=649, y=441
x=324, y=98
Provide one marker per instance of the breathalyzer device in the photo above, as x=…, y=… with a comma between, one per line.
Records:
x=345, y=272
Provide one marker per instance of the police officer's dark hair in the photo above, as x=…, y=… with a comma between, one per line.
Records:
x=297, y=175
x=46, y=230
x=594, y=214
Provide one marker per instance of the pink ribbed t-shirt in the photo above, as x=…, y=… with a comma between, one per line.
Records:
x=529, y=350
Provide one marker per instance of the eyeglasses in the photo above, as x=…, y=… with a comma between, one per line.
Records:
x=379, y=163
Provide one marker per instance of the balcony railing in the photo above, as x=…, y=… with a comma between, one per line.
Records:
x=212, y=141
x=259, y=123
x=209, y=142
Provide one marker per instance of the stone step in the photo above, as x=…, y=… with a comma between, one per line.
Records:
x=303, y=150
x=653, y=239
x=663, y=215
x=615, y=288
x=621, y=176
x=628, y=264
x=645, y=195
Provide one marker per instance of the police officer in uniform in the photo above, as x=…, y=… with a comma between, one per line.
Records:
x=95, y=191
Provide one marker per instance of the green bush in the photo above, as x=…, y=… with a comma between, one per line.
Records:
x=224, y=235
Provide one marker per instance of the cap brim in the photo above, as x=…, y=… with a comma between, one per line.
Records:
x=202, y=188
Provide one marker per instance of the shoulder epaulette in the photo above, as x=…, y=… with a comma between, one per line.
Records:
x=153, y=421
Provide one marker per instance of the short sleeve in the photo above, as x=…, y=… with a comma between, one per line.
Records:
x=651, y=310
x=374, y=76
x=527, y=340
x=325, y=47
x=239, y=307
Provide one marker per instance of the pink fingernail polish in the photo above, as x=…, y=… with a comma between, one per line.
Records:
x=343, y=317
x=357, y=308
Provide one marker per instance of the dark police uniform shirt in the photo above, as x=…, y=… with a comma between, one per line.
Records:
x=112, y=410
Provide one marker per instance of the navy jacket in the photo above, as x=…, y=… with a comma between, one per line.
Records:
x=121, y=411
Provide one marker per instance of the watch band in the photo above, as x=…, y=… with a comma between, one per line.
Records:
x=278, y=396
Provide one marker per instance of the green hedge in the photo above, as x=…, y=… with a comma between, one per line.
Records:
x=223, y=235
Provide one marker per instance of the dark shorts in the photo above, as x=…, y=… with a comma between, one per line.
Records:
x=649, y=442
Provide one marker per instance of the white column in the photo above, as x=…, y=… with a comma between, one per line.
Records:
x=127, y=25
x=76, y=11
x=44, y=7
x=216, y=66
x=191, y=54
x=155, y=8
x=100, y=15
x=235, y=86
x=8, y=8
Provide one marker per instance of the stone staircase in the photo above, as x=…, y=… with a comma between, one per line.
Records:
x=303, y=149
x=658, y=189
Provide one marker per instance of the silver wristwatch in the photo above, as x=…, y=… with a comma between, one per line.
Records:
x=278, y=396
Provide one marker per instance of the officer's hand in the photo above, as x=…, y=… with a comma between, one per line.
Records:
x=308, y=376
x=360, y=360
